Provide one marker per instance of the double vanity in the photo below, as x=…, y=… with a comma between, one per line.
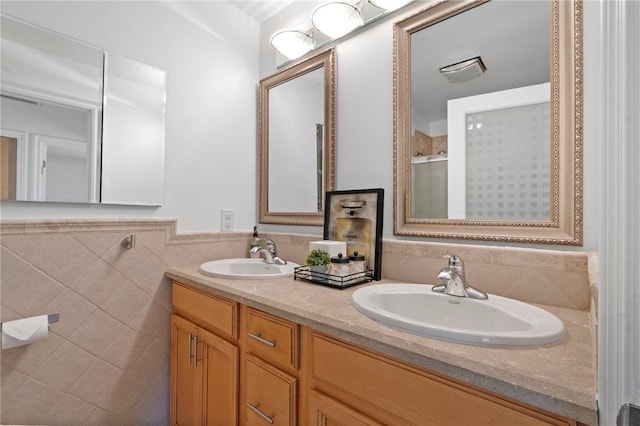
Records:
x=284, y=351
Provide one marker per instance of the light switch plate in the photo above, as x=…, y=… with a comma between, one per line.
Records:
x=226, y=220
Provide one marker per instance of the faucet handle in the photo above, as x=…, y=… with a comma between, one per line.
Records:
x=455, y=261
x=271, y=245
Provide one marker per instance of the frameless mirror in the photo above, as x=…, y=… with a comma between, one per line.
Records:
x=133, y=132
x=297, y=141
x=53, y=147
x=488, y=141
x=51, y=107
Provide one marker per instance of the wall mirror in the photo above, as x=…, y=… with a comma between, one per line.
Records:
x=77, y=124
x=488, y=124
x=296, y=153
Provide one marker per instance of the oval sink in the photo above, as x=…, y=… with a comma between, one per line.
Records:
x=246, y=269
x=498, y=321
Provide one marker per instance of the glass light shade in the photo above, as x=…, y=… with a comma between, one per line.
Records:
x=336, y=19
x=292, y=43
x=389, y=4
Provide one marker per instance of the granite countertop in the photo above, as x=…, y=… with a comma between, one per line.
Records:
x=559, y=379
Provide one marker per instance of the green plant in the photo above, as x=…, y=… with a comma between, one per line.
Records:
x=318, y=257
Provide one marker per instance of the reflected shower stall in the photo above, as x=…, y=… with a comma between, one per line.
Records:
x=429, y=186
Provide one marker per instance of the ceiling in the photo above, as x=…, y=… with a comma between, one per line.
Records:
x=513, y=39
x=260, y=10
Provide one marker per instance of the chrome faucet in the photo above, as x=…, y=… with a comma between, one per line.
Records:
x=454, y=280
x=269, y=252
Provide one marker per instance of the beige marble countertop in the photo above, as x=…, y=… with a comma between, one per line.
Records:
x=559, y=379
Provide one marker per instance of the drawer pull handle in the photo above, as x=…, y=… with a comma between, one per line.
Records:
x=189, y=348
x=259, y=338
x=263, y=416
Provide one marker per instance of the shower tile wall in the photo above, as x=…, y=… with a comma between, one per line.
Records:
x=106, y=361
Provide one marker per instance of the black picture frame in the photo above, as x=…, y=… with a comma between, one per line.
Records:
x=355, y=217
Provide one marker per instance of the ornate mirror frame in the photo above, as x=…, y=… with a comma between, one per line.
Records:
x=565, y=226
x=327, y=61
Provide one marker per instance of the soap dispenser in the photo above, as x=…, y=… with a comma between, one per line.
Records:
x=254, y=243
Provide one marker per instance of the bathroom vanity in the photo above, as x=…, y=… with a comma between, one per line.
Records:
x=286, y=352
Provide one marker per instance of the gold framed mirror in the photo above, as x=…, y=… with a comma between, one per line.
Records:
x=462, y=69
x=296, y=153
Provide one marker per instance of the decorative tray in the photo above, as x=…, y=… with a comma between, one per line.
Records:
x=340, y=282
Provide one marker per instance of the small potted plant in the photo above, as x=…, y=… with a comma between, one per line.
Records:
x=318, y=259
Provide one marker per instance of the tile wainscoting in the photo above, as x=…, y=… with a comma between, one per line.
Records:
x=107, y=360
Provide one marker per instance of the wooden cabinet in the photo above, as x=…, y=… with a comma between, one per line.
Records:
x=325, y=411
x=271, y=338
x=393, y=392
x=232, y=364
x=271, y=386
x=220, y=372
x=271, y=395
x=204, y=366
x=186, y=377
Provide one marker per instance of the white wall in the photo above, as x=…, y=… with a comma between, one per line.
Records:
x=211, y=56
x=210, y=53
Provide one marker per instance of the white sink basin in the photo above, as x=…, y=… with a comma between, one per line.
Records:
x=498, y=321
x=246, y=269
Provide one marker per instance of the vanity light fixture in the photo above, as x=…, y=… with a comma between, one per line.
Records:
x=332, y=19
x=463, y=71
x=336, y=18
x=292, y=43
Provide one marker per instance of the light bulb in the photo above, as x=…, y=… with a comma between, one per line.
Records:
x=292, y=43
x=336, y=19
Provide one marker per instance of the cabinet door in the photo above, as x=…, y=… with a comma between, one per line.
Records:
x=186, y=376
x=220, y=379
x=324, y=411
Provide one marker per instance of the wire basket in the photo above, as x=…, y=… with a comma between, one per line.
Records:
x=336, y=281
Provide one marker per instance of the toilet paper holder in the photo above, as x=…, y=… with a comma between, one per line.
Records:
x=51, y=318
x=25, y=331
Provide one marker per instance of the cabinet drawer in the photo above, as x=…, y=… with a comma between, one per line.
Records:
x=271, y=395
x=273, y=339
x=212, y=312
x=379, y=385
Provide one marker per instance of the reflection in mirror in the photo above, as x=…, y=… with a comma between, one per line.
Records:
x=486, y=124
x=302, y=139
x=52, y=116
x=487, y=137
x=297, y=141
x=51, y=103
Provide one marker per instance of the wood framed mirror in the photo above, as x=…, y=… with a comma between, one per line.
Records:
x=488, y=122
x=296, y=148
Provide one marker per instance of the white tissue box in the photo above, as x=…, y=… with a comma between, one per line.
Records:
x=333, y=247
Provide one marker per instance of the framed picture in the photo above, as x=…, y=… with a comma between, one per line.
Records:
x=355, y=217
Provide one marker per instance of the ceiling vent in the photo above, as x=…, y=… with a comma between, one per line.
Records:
x=466, y=70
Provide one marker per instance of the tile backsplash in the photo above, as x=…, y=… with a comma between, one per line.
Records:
x=107, y=360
